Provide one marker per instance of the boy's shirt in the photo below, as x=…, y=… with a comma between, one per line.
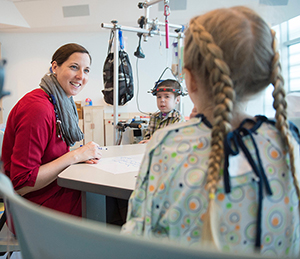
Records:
x=159, y=120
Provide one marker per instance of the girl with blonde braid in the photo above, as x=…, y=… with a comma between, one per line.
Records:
x=224, y=177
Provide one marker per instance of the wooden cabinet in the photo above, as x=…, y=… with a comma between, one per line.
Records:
x=93, y=125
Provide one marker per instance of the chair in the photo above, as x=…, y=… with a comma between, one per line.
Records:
x=44, y=233
x=8, y=243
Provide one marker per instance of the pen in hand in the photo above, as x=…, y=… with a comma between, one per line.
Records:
x=102, y=148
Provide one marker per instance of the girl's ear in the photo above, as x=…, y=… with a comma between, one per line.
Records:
x=177, y=99
x=190, y=81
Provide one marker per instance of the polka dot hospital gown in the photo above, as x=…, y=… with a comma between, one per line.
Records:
x=170, y=202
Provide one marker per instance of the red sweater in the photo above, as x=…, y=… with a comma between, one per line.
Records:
x=30, y=141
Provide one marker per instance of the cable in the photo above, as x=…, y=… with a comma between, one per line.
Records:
x=139, y=52
x=138, y=88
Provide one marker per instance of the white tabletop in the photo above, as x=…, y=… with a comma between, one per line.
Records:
x=88, y=178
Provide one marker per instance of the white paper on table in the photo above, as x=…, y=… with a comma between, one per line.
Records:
x=120, y=164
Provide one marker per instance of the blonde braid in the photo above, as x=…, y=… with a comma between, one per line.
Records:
x=280, y=106
x=224, y=96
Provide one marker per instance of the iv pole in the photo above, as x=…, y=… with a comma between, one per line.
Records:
x=116, y=79
x=114, y=26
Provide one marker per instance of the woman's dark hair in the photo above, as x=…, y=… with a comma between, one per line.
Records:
x=65, y=51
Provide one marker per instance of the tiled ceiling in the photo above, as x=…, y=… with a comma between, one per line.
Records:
x=23, y=0
x=48, y=15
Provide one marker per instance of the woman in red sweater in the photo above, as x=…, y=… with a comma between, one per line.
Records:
x=41, y=128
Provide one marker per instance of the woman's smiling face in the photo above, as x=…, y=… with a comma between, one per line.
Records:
x=73, y=74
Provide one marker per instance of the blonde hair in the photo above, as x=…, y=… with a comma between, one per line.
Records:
x=234, y=52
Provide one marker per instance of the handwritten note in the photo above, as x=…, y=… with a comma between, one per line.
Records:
x=120, y=164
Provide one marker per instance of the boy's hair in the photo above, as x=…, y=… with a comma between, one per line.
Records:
x=168, y=85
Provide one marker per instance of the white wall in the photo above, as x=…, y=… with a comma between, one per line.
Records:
x=28, y=58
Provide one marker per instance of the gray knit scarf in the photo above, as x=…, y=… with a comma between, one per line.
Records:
x=65, y=109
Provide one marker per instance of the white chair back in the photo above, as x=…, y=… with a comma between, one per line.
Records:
x=44, y=233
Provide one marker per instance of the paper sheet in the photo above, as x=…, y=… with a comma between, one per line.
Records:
x=120, y=164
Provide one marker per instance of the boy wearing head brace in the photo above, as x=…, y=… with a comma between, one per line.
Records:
x=167, y=95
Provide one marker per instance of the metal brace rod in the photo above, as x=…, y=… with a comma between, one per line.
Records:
x=148, y=4
x=133, y=29
x=163, y=24
x=116, y=79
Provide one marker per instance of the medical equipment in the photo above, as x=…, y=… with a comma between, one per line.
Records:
x=138, y=127
x=145, y=31
x=177, y=90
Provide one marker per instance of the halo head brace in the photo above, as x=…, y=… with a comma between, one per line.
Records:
x=168, y=85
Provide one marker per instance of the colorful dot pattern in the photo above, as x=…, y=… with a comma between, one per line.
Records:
x=170, y=200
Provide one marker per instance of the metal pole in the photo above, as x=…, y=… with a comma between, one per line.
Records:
x=116, y=78
x=124, y=28
x=146, y=26
x=133, y=29
x=163, y=24
x=148, y=4
x=179, y=68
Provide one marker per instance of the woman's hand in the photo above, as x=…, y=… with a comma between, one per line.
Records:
x=89, y=153
x=144, y=141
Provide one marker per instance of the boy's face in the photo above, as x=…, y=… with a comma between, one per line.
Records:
x=166, y=101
